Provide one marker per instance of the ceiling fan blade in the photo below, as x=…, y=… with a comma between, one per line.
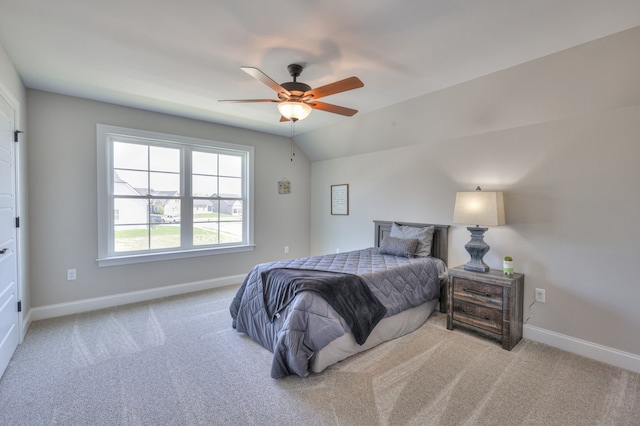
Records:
x=259, y=75
x=336, y=87
x=249, y=100
x=333, y=108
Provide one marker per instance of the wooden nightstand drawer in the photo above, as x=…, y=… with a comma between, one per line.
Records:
x=489, y=319
x=477, y=292
x=489, y=303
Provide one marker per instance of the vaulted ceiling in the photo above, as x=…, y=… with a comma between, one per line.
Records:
x=180, y=58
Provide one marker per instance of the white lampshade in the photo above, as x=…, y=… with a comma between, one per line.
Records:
x=479, y=208
x=294, y=110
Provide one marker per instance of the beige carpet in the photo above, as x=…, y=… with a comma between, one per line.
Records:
x=177, y=361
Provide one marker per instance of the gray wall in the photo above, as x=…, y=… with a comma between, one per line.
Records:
x=559, y=135
x=63, y=216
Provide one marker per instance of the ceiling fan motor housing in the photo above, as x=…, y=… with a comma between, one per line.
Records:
x=296, y=89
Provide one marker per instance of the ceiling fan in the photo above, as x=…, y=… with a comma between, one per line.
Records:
x=296, y=100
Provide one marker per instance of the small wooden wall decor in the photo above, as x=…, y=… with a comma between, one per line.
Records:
x=284, y=186
x=340, y=199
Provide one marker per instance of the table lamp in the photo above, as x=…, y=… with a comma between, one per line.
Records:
x=479, y=208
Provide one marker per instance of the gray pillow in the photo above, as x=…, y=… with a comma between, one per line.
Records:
x=404, y=247
x=423, y=235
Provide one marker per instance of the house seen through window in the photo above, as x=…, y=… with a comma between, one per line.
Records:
x=163, y=194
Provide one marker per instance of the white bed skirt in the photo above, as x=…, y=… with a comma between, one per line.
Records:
x=387, y=329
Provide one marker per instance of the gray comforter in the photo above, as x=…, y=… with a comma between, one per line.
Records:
x=308, y=323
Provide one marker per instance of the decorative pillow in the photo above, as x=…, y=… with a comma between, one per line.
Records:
x=404, y=247
x=423, y=235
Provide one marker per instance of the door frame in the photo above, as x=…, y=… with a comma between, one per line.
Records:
x=19, y=196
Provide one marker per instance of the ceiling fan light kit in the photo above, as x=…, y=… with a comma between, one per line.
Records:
x=294, y=110
x=296, y=99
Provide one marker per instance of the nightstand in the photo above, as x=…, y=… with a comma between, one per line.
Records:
x=489, y=303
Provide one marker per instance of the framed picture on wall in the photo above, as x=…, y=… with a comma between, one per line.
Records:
x=284, y=186
x=340, y=199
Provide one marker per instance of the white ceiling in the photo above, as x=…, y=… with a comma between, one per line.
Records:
x=182, y=57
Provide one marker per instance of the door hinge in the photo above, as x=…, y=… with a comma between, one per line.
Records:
x=15, y=135
x=19, y=305
x=17, y=222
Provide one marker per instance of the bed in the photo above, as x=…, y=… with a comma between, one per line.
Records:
x=292, y=308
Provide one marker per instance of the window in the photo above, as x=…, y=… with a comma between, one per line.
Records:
x=163, y=196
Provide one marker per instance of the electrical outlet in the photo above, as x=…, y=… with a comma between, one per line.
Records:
x=541, y=295
x=286, y=249
x=337, y=250
x=71, y=274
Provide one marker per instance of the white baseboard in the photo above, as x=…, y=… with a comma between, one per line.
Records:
x=26, y=322
x=86, y=305
x=605, y=354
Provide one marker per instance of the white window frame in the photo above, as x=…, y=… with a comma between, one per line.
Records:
x=105, y=136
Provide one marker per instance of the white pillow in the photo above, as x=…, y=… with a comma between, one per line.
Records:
x=423, y=235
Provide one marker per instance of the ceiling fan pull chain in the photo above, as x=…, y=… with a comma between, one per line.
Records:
x=293, y=124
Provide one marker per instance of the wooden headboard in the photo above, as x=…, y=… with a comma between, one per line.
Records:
x=440, y=246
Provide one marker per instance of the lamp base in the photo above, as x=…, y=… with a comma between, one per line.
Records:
x=477, y=248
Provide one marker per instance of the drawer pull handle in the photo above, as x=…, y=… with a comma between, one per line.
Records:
x=476, y=292
x=472, y=314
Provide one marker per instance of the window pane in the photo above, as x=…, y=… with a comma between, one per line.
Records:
x=231, y=187
x=165, y=236
x=230, y=232
x=204, y=186
x=165, y=210
x=127, y=182
x=131, y=238
x=205, y=163
x=232, y=210
x=165, y=159
x=130, y=156
x=205, y=210
x=230, y=165
x=205, y=233
x=130, y=211
x=167, y=184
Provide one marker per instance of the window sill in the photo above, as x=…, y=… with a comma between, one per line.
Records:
x=154, y=257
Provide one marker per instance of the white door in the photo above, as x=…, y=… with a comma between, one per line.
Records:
x=8, y=235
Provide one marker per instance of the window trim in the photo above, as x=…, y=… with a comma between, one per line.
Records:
x=106, y=256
